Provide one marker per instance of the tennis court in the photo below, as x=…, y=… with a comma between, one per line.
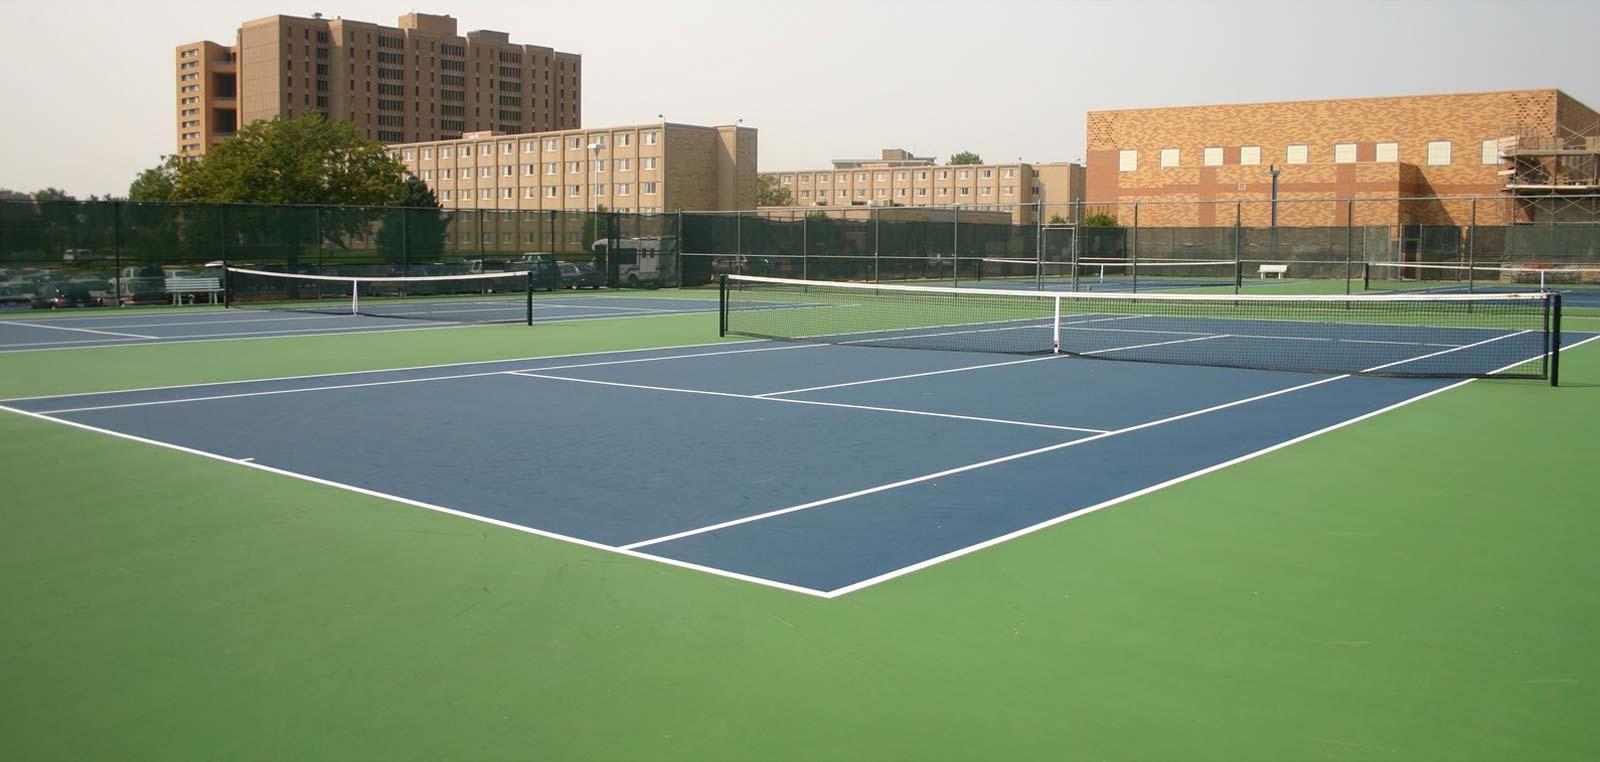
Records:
x=184, y=324
x=884, y=511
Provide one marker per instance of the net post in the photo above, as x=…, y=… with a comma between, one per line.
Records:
x=1553, y=325
x=1366, y=276
x=722, y=305
x=529, y=297
x=1055, y=325
x=355, y=297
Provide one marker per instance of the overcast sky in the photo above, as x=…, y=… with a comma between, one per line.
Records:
x=90, y=90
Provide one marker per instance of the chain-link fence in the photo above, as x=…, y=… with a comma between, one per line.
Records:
x=121, y=252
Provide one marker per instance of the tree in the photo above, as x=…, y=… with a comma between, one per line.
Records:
x=158, y=183
x=7, y=194
x=305, y=160
x=53, y=194
x=770, y=193
x=1056, y=219
x=414, y=234
x=966, y=157
x=1100, y=220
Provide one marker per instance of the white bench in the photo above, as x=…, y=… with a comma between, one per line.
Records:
x=1277, y=270
x=180, y=286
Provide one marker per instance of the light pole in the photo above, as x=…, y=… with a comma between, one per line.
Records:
x=736, y=124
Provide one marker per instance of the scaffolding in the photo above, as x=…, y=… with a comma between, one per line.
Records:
x=1553, y=178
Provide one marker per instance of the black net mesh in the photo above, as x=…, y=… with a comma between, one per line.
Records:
x=1405, y=335
x=486, y=297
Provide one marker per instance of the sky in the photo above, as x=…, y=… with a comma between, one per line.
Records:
x=90, y=83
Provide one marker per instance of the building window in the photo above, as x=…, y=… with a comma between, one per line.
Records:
x=427, y=153
x=1211, y=156
x=881, y=192
x=624, y=189
x=943, y=192
x=1295, y=154
x=487, y=194
x=550, y=144
x=574, y=190
x=448, y=195
x=574, y=167
x=574, y=143
x=650, y=138
x=599, y=165
x=964, y=174
x=861, y=177
x=485, y=171
x=922, y=174
x=550, y=168
x=805, y=194
x=550, y=191
x=1388, y=153
x=527, y=146
x=1438, y=153
x=963, y=191
x=623, y=140
x=1010, y=190
x=529, y=192
x=505, y=149
x=444, y=152
x=900, y=192
x=880, y=176
x=922, y=192
x=505, y=193
x=986, y=190
x=822, y=179
x=427, y=174
x=1344, y=153
x=786, y=179
x=844, y=178
x=485, y=149
x=986, y=174
x=649, y=189
x=599, y=189
x=649, y=162
x=1128, y=160
x=899, y=175
x=822, y=194
x=505, y=171
x=527, y=170
x=1491, y=152
x=446, y=173
x=861, y=193
x=1169, y=157
x=624, y=165
x=598, y=141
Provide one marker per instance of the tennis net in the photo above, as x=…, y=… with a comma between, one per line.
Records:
x=494, y=297
x=1495, y=278
x=1423, y=335
x=1112, y=274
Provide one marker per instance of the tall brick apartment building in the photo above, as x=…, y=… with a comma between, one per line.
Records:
x=1510, y=146
x=418, y=80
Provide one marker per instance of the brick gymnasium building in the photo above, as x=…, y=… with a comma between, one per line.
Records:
x=1515, y=146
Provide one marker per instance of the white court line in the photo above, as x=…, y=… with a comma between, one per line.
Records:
x=815, y=403
x=970, y=466
x=392, y=382
x=380, y=370
x=419, y=504
x=227, y=320
x=1157, y=344
x=909, y=375
x=1270, y=338
x=989, y=543
x=37, y=324
x=1028, y=453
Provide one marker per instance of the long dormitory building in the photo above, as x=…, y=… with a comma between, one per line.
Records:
x=901, y=179
x=418, y=80
x=644, y=168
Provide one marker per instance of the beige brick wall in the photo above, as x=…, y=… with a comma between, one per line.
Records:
x=1463, y=120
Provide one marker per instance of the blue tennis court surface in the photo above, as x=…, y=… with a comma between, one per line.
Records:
x=815, y=468
x=93, y=328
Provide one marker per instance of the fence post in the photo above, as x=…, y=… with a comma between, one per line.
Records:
x=1472, y=247
x=805, y=252
x=955, y=247
x=116, y=253
x=1038, y=245
x=1076, y=244
x=738, y=241
x=405, y=244
x=1238, y=259
x=678, y=247
x=876, y=237
x=1349, y=240
x=1133, y=249
x=318, y=225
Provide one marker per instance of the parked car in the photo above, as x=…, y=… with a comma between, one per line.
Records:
x=576, y=275
x=144, y=290
x=62, y=295
x=15, y=297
